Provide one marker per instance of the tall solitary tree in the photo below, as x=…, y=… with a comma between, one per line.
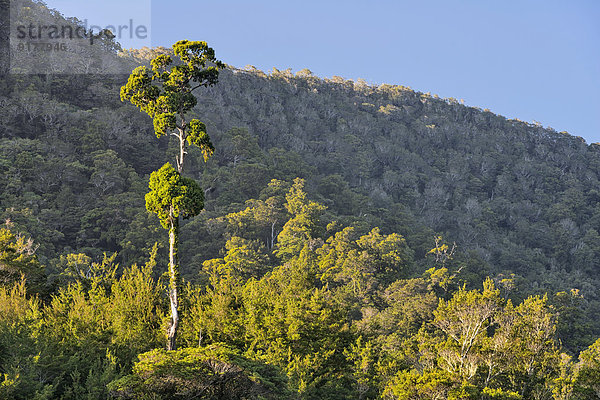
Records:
x=165, y=93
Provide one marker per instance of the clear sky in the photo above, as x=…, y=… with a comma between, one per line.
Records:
x=528, y=59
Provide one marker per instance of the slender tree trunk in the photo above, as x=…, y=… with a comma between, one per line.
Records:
x=182, y=151
x=173, y=282
x=174, y=260
x=273, y=234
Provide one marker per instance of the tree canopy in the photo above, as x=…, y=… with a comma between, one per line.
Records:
x=172, y=195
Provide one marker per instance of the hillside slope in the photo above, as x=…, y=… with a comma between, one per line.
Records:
x=522, y=196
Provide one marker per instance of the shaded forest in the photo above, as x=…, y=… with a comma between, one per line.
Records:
x=357, y=241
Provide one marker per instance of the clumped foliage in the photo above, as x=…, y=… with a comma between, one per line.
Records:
x=87, y=335
x=172, y=195
x=165, y=93
x=209, y=373
x=17, y=260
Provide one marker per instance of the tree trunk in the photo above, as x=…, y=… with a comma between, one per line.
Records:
x=173, y=282
x=182, y=151
x=173, y=257
x=273, y=234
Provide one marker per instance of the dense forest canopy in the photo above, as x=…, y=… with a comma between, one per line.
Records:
x=357, y=241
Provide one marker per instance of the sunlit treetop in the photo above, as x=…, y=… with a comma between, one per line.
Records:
x=165, y=91
x=167, y=87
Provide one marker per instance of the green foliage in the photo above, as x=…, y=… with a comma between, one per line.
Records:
x=172, y=195
x=19, y=317
x=17, y=259
x=363, y=265
x=263, y=218
x=126, y=318
x=213, y=372
x=198, y=137
x=486, y=346
x=244, y=260
x=362, y=357
x=85, y=337
x=500, y=394
x=465, y=320
x=137, y=311
x=303, y=226
x=282, y=319
x=164, y=92
x=407, y=305
x=587, y=377
x=409, y=385
x=79, y=268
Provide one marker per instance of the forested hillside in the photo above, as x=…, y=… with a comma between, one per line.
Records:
x=352, y=237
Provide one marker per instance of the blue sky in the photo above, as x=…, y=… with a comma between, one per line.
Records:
x=528, y=59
